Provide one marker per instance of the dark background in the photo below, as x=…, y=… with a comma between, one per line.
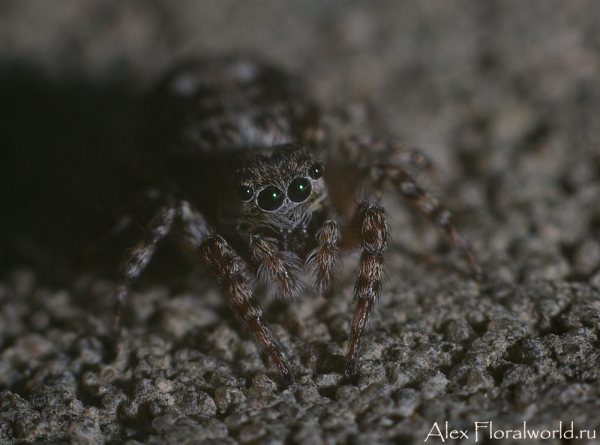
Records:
x=503, y=96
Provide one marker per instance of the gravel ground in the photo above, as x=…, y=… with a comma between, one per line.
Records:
x=503, y=96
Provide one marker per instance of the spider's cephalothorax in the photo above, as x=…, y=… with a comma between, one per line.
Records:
x=235, y=146
x=281, y=190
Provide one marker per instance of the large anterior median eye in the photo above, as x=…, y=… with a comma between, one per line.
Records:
x=270, y=198
x=299, y=190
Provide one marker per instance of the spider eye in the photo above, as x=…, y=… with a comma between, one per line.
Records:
x=299, y=189
x=316, y=171
x=270, y=198
x=244, y=192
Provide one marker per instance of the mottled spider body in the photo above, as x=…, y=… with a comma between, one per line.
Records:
x=258, y=190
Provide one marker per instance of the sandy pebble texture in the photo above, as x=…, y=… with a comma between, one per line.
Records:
x=504, y=96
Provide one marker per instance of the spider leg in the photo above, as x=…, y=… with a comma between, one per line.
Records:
x=362, y=148
x=391, y=162
x=433, y=209
x=359, y=150
x=370, y=227
x=138, y=257
x=277, y=266
x=194, y=229
x=232, y=274
x=322, y=260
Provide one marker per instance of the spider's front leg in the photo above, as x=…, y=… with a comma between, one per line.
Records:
x=370, y=226
x=231, y=271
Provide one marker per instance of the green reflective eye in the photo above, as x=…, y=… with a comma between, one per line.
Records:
x=270, y=198
x=316, y=171
x=299, y=189
x=244, y=192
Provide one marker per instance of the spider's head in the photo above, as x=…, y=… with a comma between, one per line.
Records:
x=281, y=189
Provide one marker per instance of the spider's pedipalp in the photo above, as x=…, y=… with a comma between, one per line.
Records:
x=282, y=268
x=323, y=259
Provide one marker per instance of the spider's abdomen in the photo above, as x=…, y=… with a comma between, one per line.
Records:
x=224, y=105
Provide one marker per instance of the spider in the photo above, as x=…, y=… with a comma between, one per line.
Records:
x=258, y=190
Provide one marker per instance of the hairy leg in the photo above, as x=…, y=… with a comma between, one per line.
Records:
x=138, y=257
x=277, y=266
x=433, y=210
x=323, y=259
x=380, y=160
x=232, y=274
x=370, y=226
x=194, y=230
x=360, y=150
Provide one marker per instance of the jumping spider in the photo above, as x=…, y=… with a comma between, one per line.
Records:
x=257, y=189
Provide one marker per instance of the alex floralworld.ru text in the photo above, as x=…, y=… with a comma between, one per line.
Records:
x=485, y=430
